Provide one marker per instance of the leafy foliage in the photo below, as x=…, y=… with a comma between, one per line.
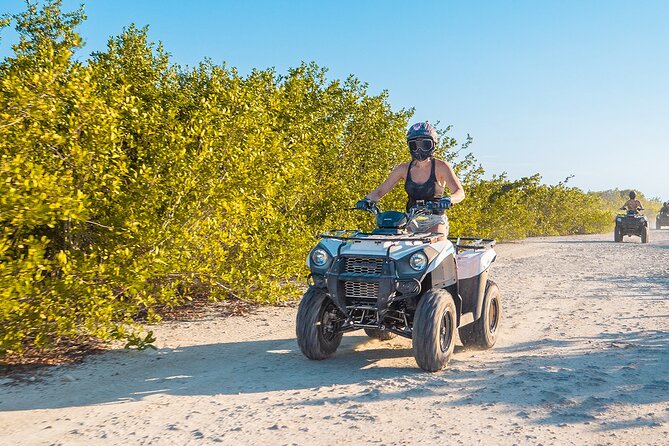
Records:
x=129, y=183
x=615, y=198
x=508, y=209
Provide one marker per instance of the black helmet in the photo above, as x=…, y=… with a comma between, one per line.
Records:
x=632, y=194
x=422, y=130
x=422, y=140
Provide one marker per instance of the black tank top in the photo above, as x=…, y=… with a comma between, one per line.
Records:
x=426, y=191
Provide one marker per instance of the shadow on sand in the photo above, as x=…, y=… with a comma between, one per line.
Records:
x=572, y=385
x=551, y=381
x=212, y=369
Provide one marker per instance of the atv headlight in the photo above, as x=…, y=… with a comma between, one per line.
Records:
x=319, y=257
x=418, y=261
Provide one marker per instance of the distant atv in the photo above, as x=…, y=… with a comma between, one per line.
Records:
x=390, y=282
x=632, y=223
x=662, y=219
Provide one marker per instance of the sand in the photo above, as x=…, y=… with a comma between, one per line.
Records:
x=582, y=359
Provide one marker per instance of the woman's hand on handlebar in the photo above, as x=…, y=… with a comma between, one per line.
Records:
x=366, y=204
x=443, y=204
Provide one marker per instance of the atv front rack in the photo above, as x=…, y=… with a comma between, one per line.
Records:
x=349, y=234
x=460, y=243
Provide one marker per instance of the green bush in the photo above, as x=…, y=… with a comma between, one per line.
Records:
x=614, y=199
x=128, y=183
x=508, y=209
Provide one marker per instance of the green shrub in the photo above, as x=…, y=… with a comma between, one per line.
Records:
x=615, y=198
x=128, y=183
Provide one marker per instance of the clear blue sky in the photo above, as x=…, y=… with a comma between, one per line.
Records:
x=552, y=87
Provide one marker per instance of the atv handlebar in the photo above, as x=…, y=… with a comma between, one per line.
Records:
x=421, y=207
x=630, y=211
x=373, y=209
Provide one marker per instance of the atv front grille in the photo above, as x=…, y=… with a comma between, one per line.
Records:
x=364, y=265
x=361, y=290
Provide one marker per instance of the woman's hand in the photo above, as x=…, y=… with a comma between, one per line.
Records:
x=365, y=204
x=443, y=204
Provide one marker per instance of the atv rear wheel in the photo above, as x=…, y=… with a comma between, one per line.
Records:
x=645, y=235
x=434, y=329
x=482, y=333
x=317, y=327
x=381, y=335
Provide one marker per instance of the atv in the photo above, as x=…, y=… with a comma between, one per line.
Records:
x=388, y=282
x=662, y=219
x=631, y=223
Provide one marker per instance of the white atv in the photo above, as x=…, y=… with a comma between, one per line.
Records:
x=393, y=282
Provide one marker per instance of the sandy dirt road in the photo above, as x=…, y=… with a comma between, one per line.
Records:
x=582, y=359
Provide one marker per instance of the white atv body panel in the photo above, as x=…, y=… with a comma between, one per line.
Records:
x=378, y=247
x=472, y=263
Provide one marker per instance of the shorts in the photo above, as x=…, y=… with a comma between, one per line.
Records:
x=424, y=223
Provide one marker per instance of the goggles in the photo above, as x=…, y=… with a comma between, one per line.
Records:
x=421, y=145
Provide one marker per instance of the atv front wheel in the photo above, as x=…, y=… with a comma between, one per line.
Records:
x=482, y=333
x=381, y=335
x=318, y=323
x=645, y=235
x=617, y=235
x=434, y=328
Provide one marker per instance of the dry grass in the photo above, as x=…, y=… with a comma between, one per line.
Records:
x=66, y=351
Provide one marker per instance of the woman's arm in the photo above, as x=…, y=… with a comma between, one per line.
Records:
x=453, y=184
x=395, y=176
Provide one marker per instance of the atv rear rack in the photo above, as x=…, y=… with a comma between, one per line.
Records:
x=465, y=243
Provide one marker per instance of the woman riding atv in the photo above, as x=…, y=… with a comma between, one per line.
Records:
x=425, y=179
x=665, y=208
x=632, y=204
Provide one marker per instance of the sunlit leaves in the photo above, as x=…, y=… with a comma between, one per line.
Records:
x=128, y=183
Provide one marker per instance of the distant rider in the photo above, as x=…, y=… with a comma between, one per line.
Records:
x=425, y=178
x=632, y=204
x=665, y=208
